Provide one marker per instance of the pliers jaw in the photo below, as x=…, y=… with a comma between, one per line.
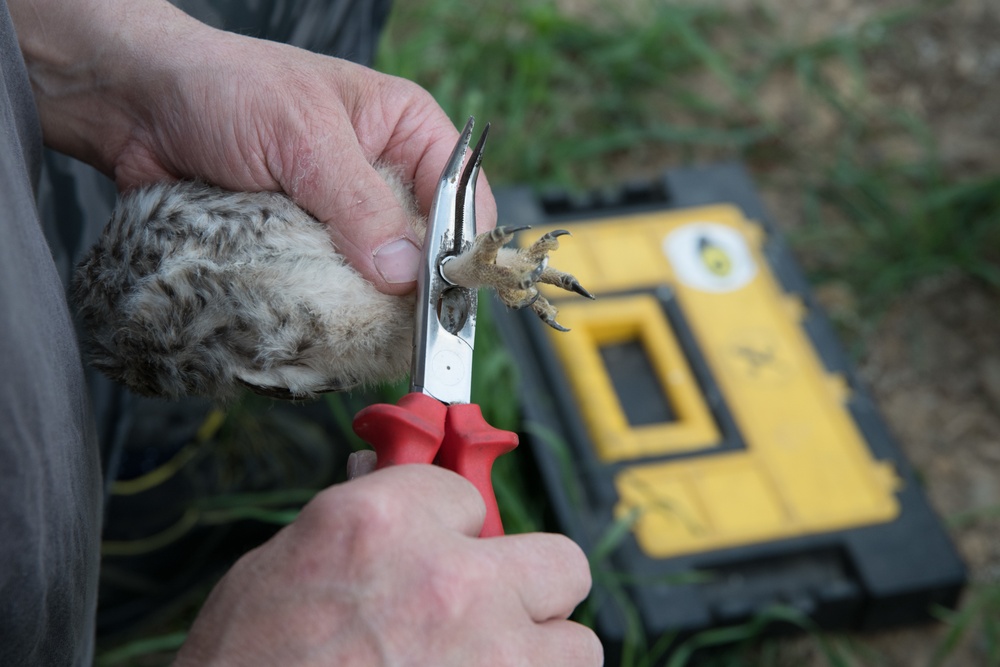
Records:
x=444, y=337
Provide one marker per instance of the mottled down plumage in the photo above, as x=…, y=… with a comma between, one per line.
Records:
x=194, y=290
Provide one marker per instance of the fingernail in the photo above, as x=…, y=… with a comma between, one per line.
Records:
x=397, y=261
x=361, y=463
x=353, y=465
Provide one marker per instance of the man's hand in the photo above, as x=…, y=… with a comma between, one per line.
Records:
x=386, y=570
x=146, y=93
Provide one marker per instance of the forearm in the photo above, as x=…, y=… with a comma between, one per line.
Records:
x=93, y=66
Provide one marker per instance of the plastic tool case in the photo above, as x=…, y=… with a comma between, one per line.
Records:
x=703, y=403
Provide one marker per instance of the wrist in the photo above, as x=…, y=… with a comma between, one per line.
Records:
x=93, y=65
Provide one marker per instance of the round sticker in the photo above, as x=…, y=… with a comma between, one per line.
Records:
x=710, y=257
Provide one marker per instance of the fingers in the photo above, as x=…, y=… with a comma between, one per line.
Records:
x=567, y=643
x=405, y=537
x=422, y=139
x=430, y=161
x=549, y=571
x=369, y=219
x=426, y=179
x=406, y=493
x=328, y=170
x=368, y=224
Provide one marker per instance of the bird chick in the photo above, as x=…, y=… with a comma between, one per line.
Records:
x=195, y=290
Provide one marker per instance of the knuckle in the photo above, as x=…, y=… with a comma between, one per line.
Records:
x=342, y=509
x=452, y=586
x=249, y=566
x=577, y=645
x=574, y=560
x=508, y=652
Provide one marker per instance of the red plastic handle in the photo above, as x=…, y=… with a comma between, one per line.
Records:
x=409, y=432
x=421, y=429
x=470, y=447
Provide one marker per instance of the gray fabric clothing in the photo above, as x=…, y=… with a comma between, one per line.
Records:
x=346, y=29
x=49, y=473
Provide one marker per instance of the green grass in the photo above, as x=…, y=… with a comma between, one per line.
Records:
x=565, y=95
x=626, y=89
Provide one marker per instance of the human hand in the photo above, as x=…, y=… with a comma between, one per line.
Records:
x=146, y=93
x=386, y=570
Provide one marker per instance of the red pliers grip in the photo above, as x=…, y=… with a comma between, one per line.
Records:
x=421, y=429
x=436, y=423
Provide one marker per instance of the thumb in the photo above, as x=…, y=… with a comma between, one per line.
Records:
x=371, y=222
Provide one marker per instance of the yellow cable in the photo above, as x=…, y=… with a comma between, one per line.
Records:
x=206, y=431
x=153, y=542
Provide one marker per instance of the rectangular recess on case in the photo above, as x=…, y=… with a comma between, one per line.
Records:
x=679, y=421
x=638, y=388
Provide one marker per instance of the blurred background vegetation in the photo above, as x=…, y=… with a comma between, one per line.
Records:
x=871, y=129
x=584, y=94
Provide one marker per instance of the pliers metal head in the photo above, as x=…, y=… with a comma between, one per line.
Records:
x=445, y=333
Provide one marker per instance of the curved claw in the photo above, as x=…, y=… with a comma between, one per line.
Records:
x=512, y=230
x=501, y=235
x=567, y=282
x=526, y=304
x=580, y=289
x=555, y=325
x=556, y=233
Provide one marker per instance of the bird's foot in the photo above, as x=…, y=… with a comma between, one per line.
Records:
x=514, y=273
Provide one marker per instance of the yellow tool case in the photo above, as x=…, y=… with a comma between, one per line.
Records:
x=701, y=409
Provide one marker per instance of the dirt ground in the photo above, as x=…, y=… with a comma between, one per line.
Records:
x=932, y=359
